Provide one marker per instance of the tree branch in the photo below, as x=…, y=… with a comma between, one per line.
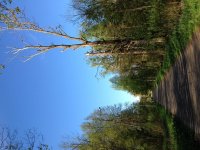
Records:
x=41, y=30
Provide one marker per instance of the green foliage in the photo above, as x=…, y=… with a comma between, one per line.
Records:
x=135, y=20
x=107, y=19
x=125, y=21
x=137, y=126
x=137, y=85
x=176, y=21
x=170, y=136
x=177, y=41
x=140, y=126
x=177, y=136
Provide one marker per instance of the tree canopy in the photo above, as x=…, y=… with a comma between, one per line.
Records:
x=126, y=37
x=128, y=127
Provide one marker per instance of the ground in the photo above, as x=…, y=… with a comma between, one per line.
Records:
x=179, y=91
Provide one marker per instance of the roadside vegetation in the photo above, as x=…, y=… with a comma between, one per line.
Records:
x=188, y=24
x=138, y=126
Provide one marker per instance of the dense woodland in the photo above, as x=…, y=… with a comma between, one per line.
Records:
x=135, y=34
x=129, y=38
x=136, y=45
x=138, y=126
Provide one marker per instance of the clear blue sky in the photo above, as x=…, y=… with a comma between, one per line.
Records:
x=53, y=92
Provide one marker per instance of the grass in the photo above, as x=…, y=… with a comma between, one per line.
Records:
x=176, y=43
x=170, y=136
x=176, y=135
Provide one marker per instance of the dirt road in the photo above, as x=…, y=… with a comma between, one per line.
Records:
x=179, y=91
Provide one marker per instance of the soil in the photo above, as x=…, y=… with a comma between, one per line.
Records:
x=179, y=91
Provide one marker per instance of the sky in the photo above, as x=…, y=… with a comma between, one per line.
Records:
x=53, y=92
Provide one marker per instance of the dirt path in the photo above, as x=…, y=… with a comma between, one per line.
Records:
x=179, y=91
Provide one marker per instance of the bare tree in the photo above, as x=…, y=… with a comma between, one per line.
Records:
x=32, y=140
x=3, y=137
x=9, y=140
x=35, y=140
x=15, y=19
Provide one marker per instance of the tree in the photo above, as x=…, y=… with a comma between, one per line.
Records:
x=8, y=16
x=117, y=31
x=14, y=19
x=136, y=126
x=32, y=140
x=144, y=20
x=97, y=16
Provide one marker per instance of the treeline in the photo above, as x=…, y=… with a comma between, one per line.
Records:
x=134, y=36
x=117, y=128
x=138, y=126
x=135, y=33
x=127, y=37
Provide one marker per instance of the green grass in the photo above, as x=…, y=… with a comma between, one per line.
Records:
x=176, y=135
x=189, y=22
x=170, y=137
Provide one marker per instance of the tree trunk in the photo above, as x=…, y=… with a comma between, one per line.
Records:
x=135, y=52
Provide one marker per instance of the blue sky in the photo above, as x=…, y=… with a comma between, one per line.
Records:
x=53, y=92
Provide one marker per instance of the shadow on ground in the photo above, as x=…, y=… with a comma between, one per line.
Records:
x=179, y=91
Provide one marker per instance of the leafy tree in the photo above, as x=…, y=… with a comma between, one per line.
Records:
x=136, y=126
x=136, y=86
x=121, y=19
x=14, y=19
x=120, y=34
x=144, y=20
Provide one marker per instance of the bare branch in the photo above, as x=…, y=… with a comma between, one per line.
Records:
x=3, y=137
x=135, y=52
x=41, y=30
x=42, y=49
x=15, y=19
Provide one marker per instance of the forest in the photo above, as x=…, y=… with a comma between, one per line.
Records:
x=137, y=41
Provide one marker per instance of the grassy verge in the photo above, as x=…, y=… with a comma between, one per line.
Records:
x=176, y=135
x=178, y=40
x=170, y=137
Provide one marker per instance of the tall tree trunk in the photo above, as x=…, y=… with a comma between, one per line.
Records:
x=135, y=52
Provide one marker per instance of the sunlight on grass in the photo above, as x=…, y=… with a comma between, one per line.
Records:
x=189, y=22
